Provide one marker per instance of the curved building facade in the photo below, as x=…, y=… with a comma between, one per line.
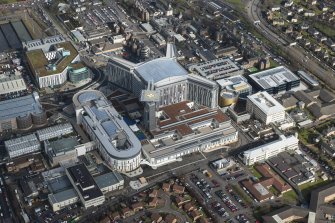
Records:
x=39, y=118
x=116, y=142
x=77, y=75
x=227, y=98
x=173, y=82
x=24, y=122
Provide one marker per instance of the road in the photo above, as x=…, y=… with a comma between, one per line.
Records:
x=296, y=53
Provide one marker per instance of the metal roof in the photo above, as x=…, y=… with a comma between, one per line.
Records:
x=19, y=107
x=160, y=69
x=274, y=77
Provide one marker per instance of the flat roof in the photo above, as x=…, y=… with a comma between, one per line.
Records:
x=63, y=145
x=19, y=107
x=12, y=83
x=273, y=77
x=264, y=101
x=160, y=69
x=219, y=67
x=84, y=182
x=108, y=179
x=39, y=62
x=63, y=196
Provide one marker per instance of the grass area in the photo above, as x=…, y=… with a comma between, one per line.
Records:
x=306, y=136
x=328, y=30
x=7, y=1
x=238, y=4
x=290, y=197
x=273, y=63
x=238, y=190
x=253, y=70
x=273, y=191
x=307, y=188
x=255, y=172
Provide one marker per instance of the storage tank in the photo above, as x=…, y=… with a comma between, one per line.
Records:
x=24, y=122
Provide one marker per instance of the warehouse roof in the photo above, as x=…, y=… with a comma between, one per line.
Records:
x=19, y=107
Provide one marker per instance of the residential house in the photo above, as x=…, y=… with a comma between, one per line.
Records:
x=170, y=219
x=195, y=215
x=138, y=206
x=156, y=218
x=153, y=203
x=178, y=189
x=188, y=207
x=153, y=193
x=166, y=187
x=127, y=212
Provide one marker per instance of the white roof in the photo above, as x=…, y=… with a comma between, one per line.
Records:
x=273, y=77
x=272, y=146
x=160, y=69
x=12, y=83
x=265, y=102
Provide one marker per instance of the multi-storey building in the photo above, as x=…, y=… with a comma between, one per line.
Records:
x=265, y=108
x=88, y=191
x=116, y=142
x=50, y=64
x=269, y=150
x=184, y=128
x=275, y=80
x=167, y=76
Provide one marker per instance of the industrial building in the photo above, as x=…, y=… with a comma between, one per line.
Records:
x=116, y=142
x=276, y=80
x=217, y=69
x=87, y=189
x=266, y=151
x=173, y=83
x=265, y=108
x=54, y=131
x=22, y=146
x=177, y=126
x=21, y=113
x=49, y=64
x=11, y=84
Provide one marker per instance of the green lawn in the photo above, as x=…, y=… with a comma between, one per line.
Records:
x=306, y=135
x=290, y=197
x=255, y=172
x=7, y=1
x=238, y=4
x=273, y=63
x=328, y=30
